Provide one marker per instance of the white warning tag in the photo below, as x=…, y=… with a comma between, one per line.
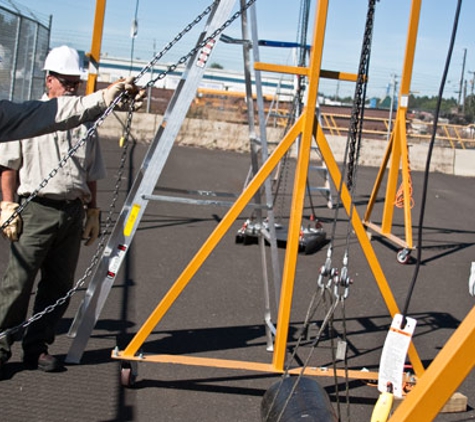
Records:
x=393, y=357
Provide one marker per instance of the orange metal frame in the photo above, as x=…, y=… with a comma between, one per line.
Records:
x=434, y=386
x=397, y=150
x=304, y=130
x=95, y=53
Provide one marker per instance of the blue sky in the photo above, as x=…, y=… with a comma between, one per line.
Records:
x=160, y=21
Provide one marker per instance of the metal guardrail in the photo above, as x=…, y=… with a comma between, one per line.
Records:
x=448, y=135
x=230, y=107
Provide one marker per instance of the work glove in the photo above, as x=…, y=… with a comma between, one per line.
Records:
x=133, y=92
x=13, y=230
x=92, y=227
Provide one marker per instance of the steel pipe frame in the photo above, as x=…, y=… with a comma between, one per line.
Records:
x=397, y=150
x=95, y=53
x=452, y=364
x=303, y=128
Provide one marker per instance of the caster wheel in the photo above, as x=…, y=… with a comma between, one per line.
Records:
x=128, y=374
x=403, y=256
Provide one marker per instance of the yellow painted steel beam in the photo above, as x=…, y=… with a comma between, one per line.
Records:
x=304, y=130
x=278, y=68
x=304, y=71
x=397, y=153
x=406, y=185
x=95, y=53
x=391, y=187
x=405, y=85
x=448, y=370
x=377, y=184
x=299, y=190
x=244, y=365
x=212, y=241
x=341, y=373
x=341, y=76
x=364, y=241
x=395, y=239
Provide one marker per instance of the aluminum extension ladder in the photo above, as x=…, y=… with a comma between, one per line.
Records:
x=320, y=169
x=143, y=186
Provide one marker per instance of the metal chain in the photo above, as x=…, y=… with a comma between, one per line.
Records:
x=93, y=130
x=354, y=136
x=124, y=95
x=360, y=91
x=328, y=278
x=90, y=132
x=100, y=247
x=202, y=44
x=107, y=112
x=343, y=282
x=168, y=47
x=328, y=275
x=355, y=131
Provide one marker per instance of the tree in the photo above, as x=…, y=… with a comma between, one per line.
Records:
x=429, y=104
x=470, y=108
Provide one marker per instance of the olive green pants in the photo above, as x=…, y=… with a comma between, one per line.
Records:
x=49, y=245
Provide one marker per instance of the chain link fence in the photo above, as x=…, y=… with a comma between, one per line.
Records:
x=24, y=44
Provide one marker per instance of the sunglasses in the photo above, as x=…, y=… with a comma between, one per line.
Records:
x=66, y=83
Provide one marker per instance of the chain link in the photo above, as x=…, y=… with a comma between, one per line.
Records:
x=360, y=95
x=100, y=247
x=90, y=132
x=93, y=130
x=124, y=95
x=168, y=47
x=107, y=112
x=199, y=46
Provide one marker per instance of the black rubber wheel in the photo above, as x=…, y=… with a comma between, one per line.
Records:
x=127, y=375
x=249, y=240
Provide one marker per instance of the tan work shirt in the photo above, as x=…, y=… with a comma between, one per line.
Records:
x=35, y=158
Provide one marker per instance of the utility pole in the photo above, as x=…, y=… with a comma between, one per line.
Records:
x=472, y=82
x=391, y=107
x=461, y=79
x=464, y=96
x=133, y=34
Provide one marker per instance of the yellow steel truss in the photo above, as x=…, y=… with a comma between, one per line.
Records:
x=454, y=362
x=304, y=130
x=397, y=151
x=95, y=53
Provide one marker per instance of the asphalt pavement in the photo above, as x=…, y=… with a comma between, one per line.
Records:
x=221, y=312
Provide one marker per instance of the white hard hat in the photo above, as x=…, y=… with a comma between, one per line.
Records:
x=63, y=60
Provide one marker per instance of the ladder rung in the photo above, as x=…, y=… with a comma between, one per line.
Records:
x=320, y=189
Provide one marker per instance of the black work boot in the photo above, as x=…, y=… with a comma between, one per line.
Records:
x=44, y=362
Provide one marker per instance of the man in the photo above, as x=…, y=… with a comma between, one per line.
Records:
x=47, y=236
x=34, y=118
